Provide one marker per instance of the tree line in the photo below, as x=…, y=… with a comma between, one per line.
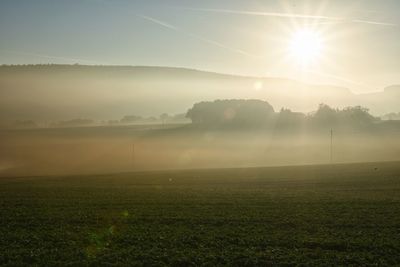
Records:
x=254, y=113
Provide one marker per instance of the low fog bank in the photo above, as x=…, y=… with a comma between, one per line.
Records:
x=118, y=149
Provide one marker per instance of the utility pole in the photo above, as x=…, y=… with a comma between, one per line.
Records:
x=133, y=155
x=331, y=148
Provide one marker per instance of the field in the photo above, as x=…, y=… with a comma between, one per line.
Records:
x=306, y=215
x=111, y=149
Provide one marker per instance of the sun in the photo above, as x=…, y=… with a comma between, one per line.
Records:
x=305, y=47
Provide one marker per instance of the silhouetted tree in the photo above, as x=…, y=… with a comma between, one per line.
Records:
x=356, y=116
x=286, y=119
x=324, y=116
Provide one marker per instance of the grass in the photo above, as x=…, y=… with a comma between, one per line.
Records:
x=282, y=216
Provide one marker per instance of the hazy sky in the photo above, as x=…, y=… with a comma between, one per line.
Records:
x=361, y=39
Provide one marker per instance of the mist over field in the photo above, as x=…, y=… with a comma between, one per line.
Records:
x=106, y=149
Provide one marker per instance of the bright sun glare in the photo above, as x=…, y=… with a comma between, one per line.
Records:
x=305, y=47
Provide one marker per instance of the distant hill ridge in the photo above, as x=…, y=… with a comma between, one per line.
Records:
x=149, y=70
x=46, y=92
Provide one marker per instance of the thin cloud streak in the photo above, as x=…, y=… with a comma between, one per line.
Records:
x=292, y=15
x=159, y=22
x=374, y=22
x=267, y=14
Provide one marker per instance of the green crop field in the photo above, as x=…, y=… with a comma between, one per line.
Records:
x=325, y=215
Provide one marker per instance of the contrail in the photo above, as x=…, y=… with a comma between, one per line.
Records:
x=192, y=35
x=159, y=22
x=291, y=15
x=374, y=22
x=195, y=36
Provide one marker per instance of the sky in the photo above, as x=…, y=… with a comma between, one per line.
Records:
x=361, y=39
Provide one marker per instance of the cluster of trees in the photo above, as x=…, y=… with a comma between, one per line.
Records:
x=257, y=113
x=231, y=112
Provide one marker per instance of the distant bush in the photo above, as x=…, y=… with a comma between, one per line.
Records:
x=391, y=116
x=180, y=118
x=72, y=123
x=131, y=119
